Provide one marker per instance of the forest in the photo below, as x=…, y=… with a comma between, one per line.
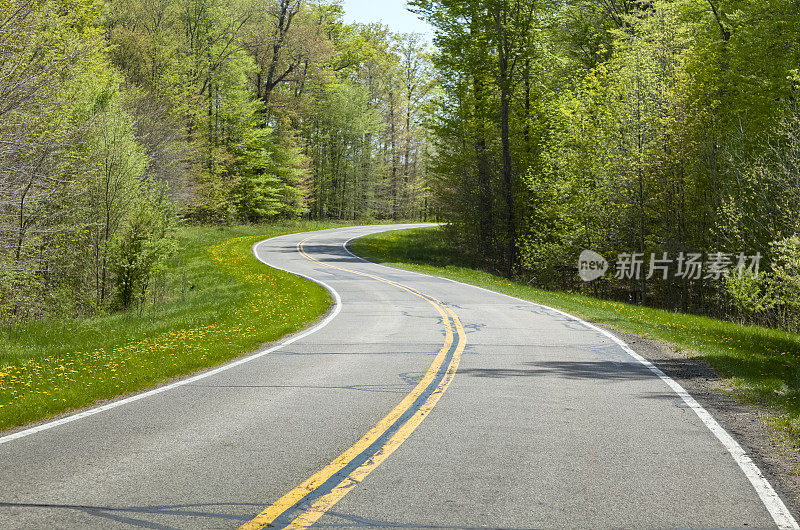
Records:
x=647, y=128
x=120, y=120
x=535, y=129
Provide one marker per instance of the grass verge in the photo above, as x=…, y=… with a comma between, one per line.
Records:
x=236, y=304
x=762, y=364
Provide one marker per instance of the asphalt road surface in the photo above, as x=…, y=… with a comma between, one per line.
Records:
x=417, y=403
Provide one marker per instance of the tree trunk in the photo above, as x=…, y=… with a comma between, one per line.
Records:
x=485, y=217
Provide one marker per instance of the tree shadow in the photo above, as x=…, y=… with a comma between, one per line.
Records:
x=574, y=370
x=127, y=515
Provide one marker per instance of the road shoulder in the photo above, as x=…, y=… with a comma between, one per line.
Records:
x=775, y=453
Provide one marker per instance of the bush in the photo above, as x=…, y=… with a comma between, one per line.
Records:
x=775, y=294
x=786, y=278
x=141, y=250
x=751, y=294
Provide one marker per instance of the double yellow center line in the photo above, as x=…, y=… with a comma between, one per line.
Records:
x=305, y=504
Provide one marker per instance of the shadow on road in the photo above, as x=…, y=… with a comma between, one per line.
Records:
x=127, y=515
x=603, y=370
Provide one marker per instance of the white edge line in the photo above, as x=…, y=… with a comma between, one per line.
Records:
x=294, y=338
x=772, y=501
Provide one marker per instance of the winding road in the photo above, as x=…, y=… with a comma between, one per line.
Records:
x=418, y=402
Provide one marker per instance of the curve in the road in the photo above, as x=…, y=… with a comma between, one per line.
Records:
x=337, y=306
x=783, y=518
x=104, y=461
x=305, y=504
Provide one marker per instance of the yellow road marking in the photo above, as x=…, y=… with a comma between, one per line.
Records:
x=327, y=501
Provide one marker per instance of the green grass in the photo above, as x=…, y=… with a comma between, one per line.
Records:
x=763, y=364
x=236, y=304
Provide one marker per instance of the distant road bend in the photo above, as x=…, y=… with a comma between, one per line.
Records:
x=418, y=402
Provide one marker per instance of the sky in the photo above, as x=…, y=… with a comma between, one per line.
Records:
x=393, y=13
